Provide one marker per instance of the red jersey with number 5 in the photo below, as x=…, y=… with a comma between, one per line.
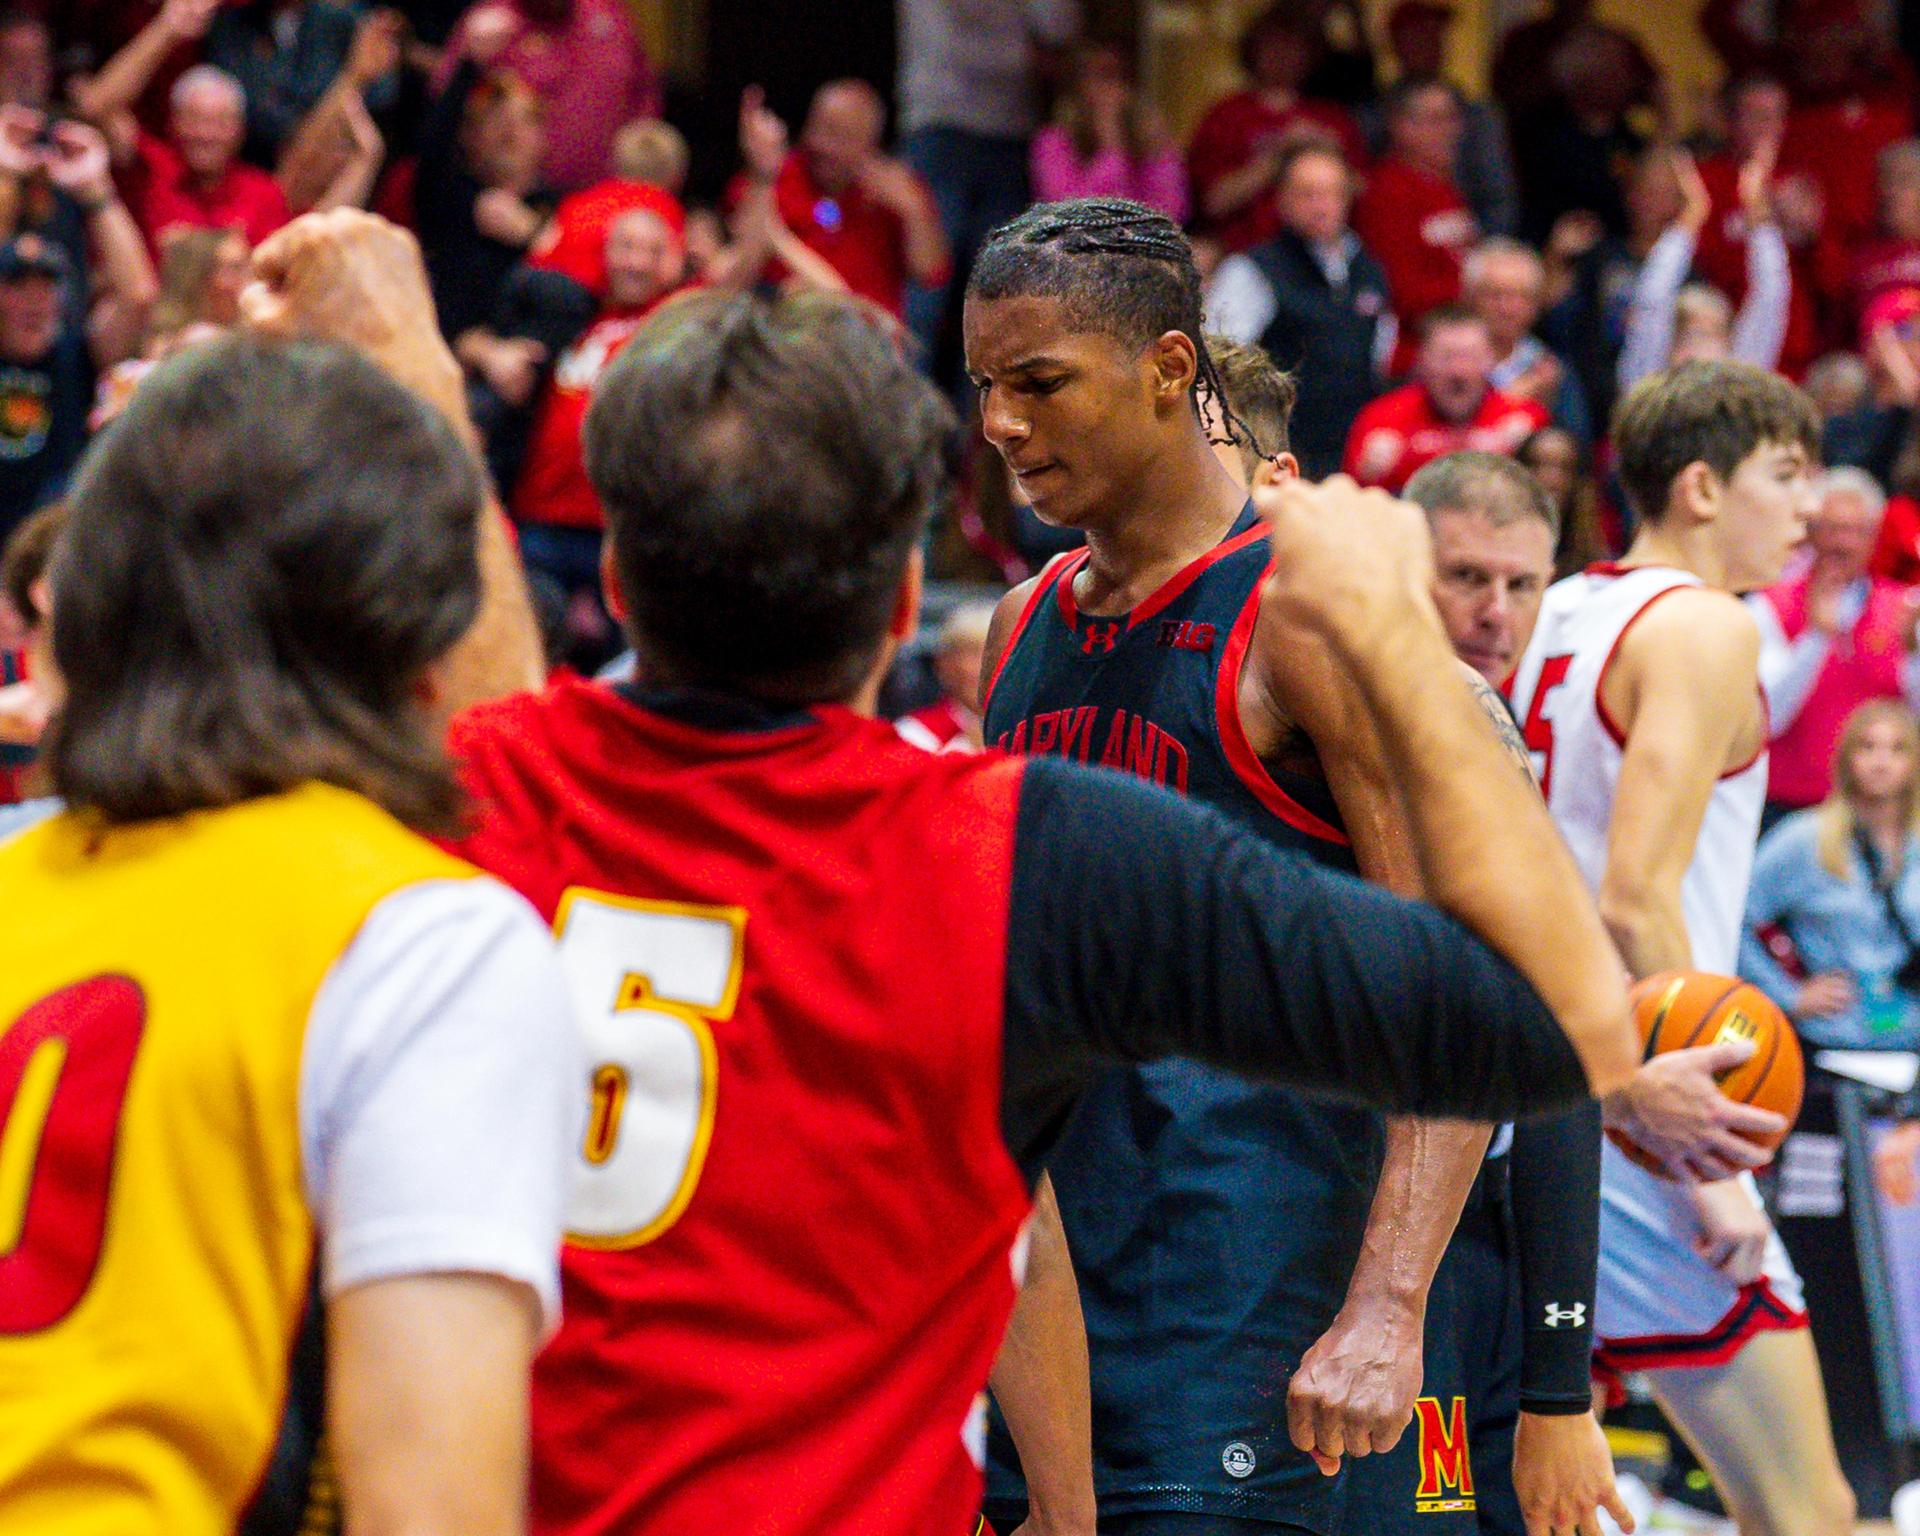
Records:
x=790, y=1258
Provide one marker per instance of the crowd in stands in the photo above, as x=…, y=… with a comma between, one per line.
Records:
x=1438, y=271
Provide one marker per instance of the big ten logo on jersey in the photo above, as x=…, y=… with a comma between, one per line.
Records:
x=1113, y=738
x=1446, y=1463
x=648, y=980
x=1186, y=635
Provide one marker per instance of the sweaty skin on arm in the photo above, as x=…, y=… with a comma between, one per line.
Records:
x=1681, y=736
x=427, y=1404
x=1354, y=1391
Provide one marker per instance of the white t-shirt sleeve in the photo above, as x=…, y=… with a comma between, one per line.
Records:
x=442, y=1093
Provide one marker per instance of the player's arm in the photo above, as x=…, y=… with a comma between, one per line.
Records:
x=1681, y=735
x=440, y=1114
x=1357, y=565
x=427, y=1404
x=354, y=278
x=1562, y=1468
x=1353, y=1393
x=1040, y=1382
x=1682, y=724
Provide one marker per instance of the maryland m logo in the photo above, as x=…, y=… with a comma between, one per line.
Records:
x=1446, y=1467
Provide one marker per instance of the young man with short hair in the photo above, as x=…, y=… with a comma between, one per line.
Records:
x=1640, y=699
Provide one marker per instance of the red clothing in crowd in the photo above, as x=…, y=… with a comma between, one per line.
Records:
x=1397, y=434
x=1897, y=554
x=1421, y=229
x=942, y=727
x=861, y=239
x=553, y=486
x=1820, y=270
x=590, y=71
x=575, y=239
x=1862, y=665
x=1839, y=143
x=1237, y=129
x=1881, y=265
x=164, y=197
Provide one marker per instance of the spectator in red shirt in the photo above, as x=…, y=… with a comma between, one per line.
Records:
x=1890, y=259
x=559, y=516
x=1450, y=405
x=583, y=60
x=1234, y=158
x=194, y=179
x=1757, y=115
x=865, y=213
x=1848, y=106
x=26, y=61
x=1411, y=215
x=649, y=157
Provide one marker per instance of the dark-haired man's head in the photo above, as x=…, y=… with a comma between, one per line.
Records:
x=1756, y=107
x=1315, y=191
x=1417, y=32
x=239, y=519
x=1280, y=48
x=1723, y=453
x=33, y=277
x=1494, y=531
x=1082, y=330
x=767, y=466
x=1425, y=124
x=1455, y=362
x=845, y=127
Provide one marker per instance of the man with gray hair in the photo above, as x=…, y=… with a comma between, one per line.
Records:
x=1832, y=636
x=1504, y=282
x=194, y=178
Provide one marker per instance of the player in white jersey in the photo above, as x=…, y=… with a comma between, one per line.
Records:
x=1639, y=699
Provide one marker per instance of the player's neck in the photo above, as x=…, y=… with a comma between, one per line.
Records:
x=1693, y=551
x=1181, y=509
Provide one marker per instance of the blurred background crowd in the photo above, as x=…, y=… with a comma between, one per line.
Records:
x=1463, y=227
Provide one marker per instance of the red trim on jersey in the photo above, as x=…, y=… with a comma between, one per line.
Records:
x=1766, y=737
x=1599, y=696
x=1600, y=683
x=1034, y=599
x=1611, y=568
x=1246, y=765
x=1757, y=1309
x=1193, y=573
x=1063, y=585
x=1163, y=594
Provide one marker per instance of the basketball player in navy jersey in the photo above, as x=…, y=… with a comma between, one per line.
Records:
x=1253, y=1268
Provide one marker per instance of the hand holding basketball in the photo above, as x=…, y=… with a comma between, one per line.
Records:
x=1721, y=1084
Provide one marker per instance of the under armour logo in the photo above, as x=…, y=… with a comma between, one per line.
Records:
x=1102, y=635
x=1574, y=1316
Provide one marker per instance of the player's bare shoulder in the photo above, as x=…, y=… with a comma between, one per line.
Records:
x=1002, y=628
x=1695, y=646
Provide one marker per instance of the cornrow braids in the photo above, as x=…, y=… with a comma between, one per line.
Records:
x=1116, y=267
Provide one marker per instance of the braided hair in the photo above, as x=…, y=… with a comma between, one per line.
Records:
x=1115, y=266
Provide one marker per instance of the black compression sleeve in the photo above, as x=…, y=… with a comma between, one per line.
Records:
x=1555, y=1174
x=1143, y=925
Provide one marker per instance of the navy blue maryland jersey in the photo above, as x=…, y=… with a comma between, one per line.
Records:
x=1214, y=1222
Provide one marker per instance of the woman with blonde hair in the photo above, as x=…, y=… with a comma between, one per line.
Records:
x=1836, y=895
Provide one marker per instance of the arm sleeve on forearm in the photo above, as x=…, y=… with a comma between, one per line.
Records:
x=1142, y=925
x=1556, y=1218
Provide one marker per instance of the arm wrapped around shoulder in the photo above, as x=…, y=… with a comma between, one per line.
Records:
x=1143, y=925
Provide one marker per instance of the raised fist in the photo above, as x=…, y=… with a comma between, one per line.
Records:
x=352, y=277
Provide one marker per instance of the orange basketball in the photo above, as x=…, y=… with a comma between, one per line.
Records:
x=1679, y=1009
